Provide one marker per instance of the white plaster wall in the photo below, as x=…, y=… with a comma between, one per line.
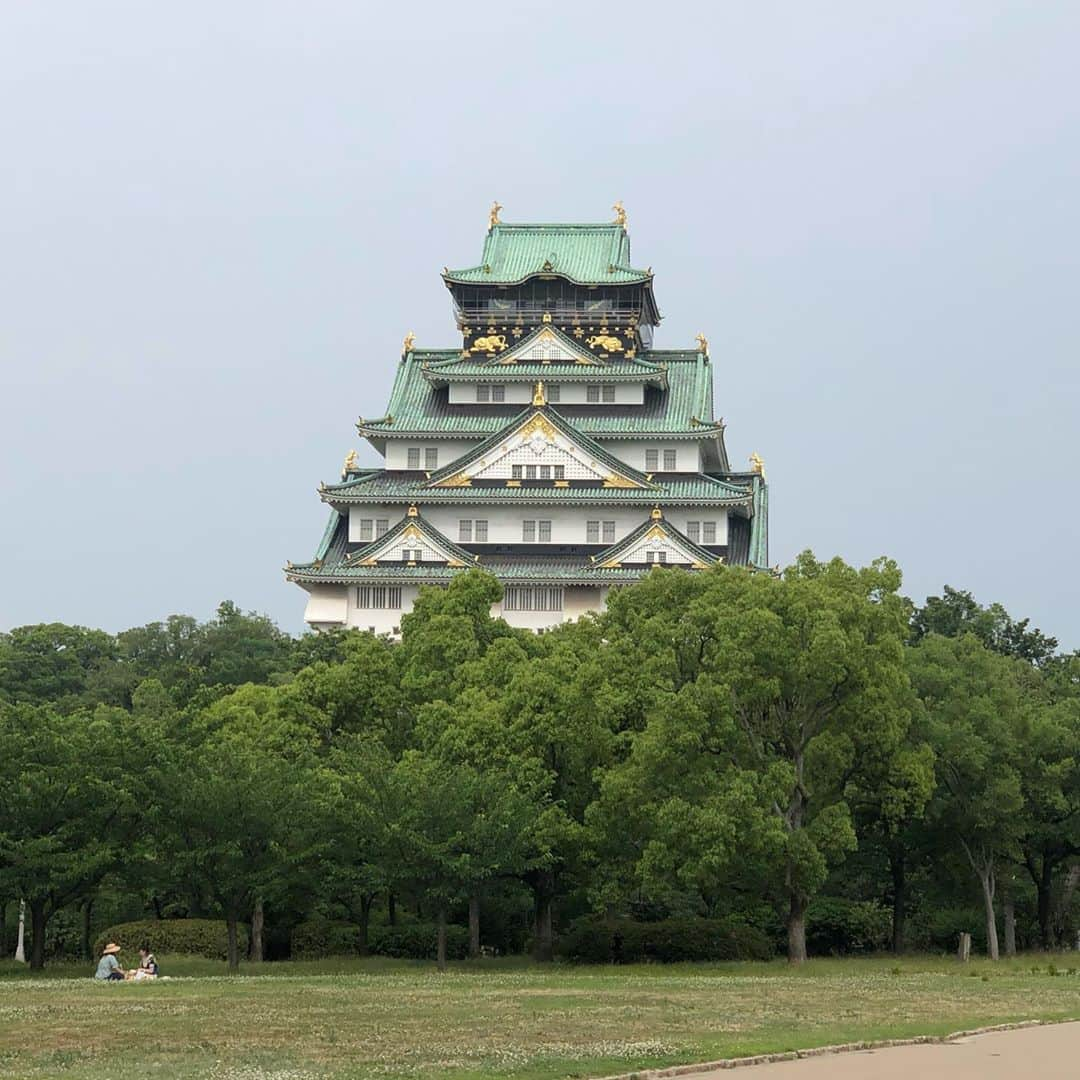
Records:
x=393, y=514
x=679, y=518
x=575, y=393
x=504, y=523
x=382, y=620
x=397, y=451
x=687, y=454
x=327, y=605
x=517, y=393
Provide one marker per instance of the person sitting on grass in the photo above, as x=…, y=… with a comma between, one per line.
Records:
x=108, y=966
x=148, y=965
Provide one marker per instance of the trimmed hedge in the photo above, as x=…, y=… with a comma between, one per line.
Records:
x=417, y=941
x=171, y=937
x=624, y=941
x=318, y=938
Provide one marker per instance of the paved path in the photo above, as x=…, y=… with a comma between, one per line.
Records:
x=1051, y=1052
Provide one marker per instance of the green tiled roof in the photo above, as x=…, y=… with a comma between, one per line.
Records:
x=583, y=254
x=530, y=371
x=693, y=489
x=417, y=408
x=596, y=451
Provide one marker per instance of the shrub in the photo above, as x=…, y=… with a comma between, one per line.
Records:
x=316, y=938
x=835, y=926
x=184, y=937
x=939, y=929
x=625, y=941
x=417, y=941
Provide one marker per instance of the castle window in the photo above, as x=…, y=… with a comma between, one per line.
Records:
x=532, y=598
x=708, y=532
x=693, y=531
x=412, y=555
x=431, y=457
x=608, y=392
x=592, y=532
x=382, y=527
x=414, y=457
x=480, y=531
x=530, y=472
x=545, y=531
x=656, y=556
x=553, y=393
x=652, y=460
x=560, y=472
x=515, y=472
x=483, y=392
x=609, y=532
x=545, y=472
x=464, y=531
x=592, y=394
x=366, y=526
x=498, y=393
x=669, y=461
x=528, y=532
x=378, y=596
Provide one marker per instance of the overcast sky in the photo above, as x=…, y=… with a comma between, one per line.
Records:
x=217, y=221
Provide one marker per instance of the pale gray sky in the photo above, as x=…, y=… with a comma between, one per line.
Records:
x=217, y=221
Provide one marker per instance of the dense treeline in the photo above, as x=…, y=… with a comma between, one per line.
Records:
x=722, y=761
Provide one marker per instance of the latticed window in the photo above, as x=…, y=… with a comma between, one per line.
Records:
x=464, y=530
x=708, y=532
x=498, y=393
x=431, y=457
x=669, y=461
x=545, y=531
x=609, y=532
x=652, y=460
x=382, y=527
x=553, y=393
x=414, y=457
x=515, y=472
x=560, y=472
x=528, y=531
x=378, y=596
x=412, y=555
x=366, y=527
x=530, y=472
x=608, y=393
x=693, y=531
x=592, y=394
x=545, y=472
x=532, y=598
x=656, y=556
x=483, y=392
x=592, y=532
x=480, y=531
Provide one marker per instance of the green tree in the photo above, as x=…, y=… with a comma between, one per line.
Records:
x=789, y=678
x=56, y=664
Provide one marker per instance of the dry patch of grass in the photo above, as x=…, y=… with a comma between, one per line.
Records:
x=351, y=1019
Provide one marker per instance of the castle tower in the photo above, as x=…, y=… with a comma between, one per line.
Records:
x=553, y=447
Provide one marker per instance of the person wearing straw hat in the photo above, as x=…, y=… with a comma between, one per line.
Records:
x=108, y=966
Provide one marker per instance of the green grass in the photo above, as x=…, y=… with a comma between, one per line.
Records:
x=380, y=1018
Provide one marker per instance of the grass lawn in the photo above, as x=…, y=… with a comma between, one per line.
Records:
x=357, y=1018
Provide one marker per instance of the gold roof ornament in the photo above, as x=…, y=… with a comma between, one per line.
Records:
x=408, y=343
x=539, y=394
x=493, y=215
x=702, y=344
x=757, y=466
x=351, y=462
x=412, y=511
x=657, y=514
x=620, y=213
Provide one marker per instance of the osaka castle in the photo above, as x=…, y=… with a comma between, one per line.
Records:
x=550, y=444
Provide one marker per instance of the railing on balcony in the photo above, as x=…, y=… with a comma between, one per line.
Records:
x=523, y=312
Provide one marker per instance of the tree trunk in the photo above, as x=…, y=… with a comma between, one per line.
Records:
x=440, y=938
x=20, y=941
x=1044, y=892
x=1072, y=879
x=899, y=898
x=796, y=929
x=474, y=926
x=156, y=902
x=87, y=911
x=234, y=943
x=1010, y=926
x=391, y=909
x=257, y=918
x=986, y=879
x=543, y=890
x=366, y=902
x=38, y=919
